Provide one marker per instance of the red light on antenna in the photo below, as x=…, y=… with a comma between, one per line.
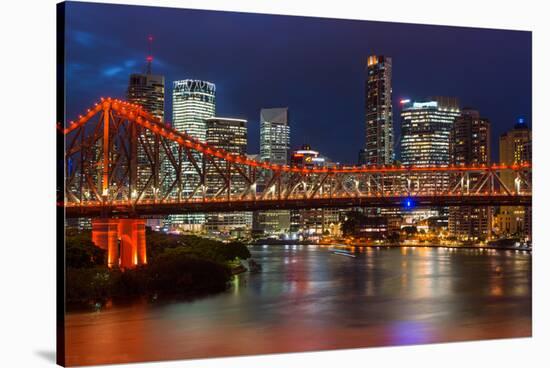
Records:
x=150, y=38
x=149, y=58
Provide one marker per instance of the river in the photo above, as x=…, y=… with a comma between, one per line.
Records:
x=307, y=298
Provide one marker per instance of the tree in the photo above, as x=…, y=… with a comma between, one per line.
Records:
x=83, y=253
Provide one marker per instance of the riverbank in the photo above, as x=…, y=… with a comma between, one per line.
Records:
x=396, y=245
x=450, y=246
x=179, y=266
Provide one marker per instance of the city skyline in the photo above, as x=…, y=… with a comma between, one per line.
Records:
x=311, y=117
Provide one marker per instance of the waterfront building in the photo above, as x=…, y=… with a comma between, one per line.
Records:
x=230, y=135
x=193, y=101
x=514, y=148
x=147, y=90
x=315, y=222
x=425, y=140
x=470, y=146
x=274, y=148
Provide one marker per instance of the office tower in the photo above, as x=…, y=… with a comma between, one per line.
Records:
x=146, y=90
x=378, y=148
x=470, y=146
x=274, y=135
x=425, y=131
x=514, y=148
x=193, y=101
x=230, y=135
x=274, y=148
x=425, y=137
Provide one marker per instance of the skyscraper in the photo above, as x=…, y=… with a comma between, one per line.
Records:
x=274, y=135
x=426, y=129
x=274, y=148
x=146, y=90
x=514, y=148
x=425, y=138
x=193, y=101
x=378, y=118
x=470, y=145
x=230, y=135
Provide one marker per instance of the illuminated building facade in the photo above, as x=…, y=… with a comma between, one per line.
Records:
x=274, y=148
x=378, y=148
x=230, y=135
x=514, y=148
x=274, y=135
x=426, y=130
x=193, y=101
x=306, y=157
x=146, y=90
x=470, y=145
x=312, y=223
x=425, y=140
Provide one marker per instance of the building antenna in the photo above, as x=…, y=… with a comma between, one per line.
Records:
x=150, y=56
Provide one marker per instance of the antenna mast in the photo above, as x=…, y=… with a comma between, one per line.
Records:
x=150, y=56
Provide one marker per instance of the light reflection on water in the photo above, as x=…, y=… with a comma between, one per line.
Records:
x=307, y=298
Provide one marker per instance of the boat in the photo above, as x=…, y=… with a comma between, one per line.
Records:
x=342, y=252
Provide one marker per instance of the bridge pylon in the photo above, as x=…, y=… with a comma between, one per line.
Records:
x=123, y=239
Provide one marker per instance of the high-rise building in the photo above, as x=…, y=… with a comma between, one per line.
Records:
x=514, y=148
x=274, y=148
x=274, y=135
x=146, y=90
x=425, y=131
x=425, y=138
x=378, y=118
x=193, y=101
x=470, y=146
x=230, y=135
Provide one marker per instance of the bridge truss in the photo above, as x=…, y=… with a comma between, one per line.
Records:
x=121, y=161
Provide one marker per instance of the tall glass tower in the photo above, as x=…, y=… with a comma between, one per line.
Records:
x=147, y=91
x=425, y=140
x=378, y=116
x=274, y=135
x=274, y=148
x=470, y=145
x=426, y=130
x=193, y=101
x=230, y=135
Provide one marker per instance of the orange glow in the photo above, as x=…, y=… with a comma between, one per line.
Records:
x=126, y=235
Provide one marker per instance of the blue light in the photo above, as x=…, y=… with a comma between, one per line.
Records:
x=408, y=203
x=521, y=121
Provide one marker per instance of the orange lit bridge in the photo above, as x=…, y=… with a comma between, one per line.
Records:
x=123, y=165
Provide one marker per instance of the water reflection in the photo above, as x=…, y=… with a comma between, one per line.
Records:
x=308, y=298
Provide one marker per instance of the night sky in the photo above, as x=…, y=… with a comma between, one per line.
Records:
x=314, y=66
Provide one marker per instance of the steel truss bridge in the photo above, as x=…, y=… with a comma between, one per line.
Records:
x=120, y=161
x=122, y=165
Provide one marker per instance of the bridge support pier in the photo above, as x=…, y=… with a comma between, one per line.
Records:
x=123, y=239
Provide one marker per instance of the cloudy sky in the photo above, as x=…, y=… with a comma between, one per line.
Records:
x=314, y=66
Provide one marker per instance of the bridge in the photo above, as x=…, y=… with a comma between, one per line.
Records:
x=122, y=165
